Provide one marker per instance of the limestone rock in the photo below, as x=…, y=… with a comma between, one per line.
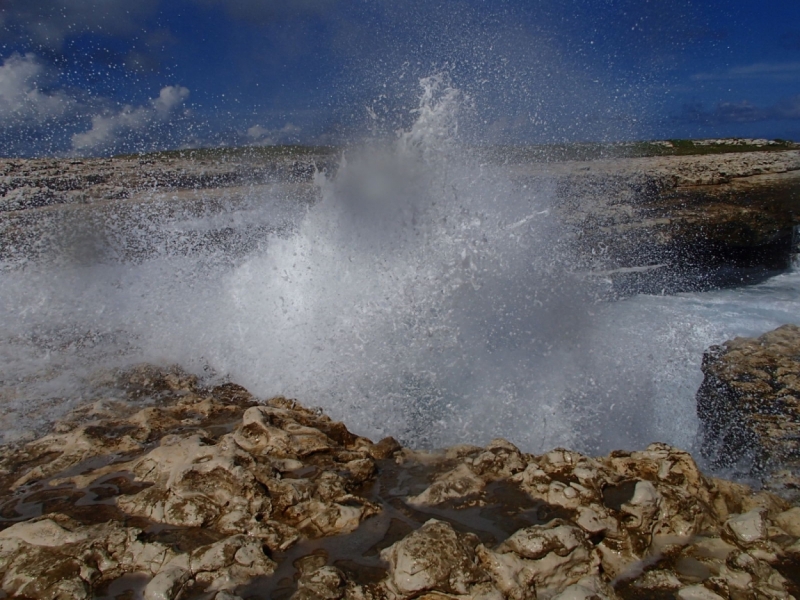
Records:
x=639, y=221
x=540, y=561
x=434, y=557
x=749, y=405
x=218, y=496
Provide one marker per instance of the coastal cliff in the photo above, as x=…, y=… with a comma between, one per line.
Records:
x=675, y=223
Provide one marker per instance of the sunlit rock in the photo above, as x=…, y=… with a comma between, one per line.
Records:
x=458, y=483
x=213, y=496
x=697, y=592
x=434, y=557
x=540, y=561
x=324, y=583
x=789, y=521
x=748, y=528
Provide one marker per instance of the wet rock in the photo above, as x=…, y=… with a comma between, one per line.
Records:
x=658, y=580
x=459, y=483
x=215, y=492
x=749, y=406
x=273, y=431
x=540, y=561
x=588, y=588
x=180, y=462
x=697, y=592
x=324, y=583
x=789, y=521
x=434, y=557
x=748, y=528
x=679, y=222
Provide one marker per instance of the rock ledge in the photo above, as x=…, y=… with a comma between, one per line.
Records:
x=167, y=489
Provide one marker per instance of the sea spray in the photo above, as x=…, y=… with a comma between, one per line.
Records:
x=422, y=297
x=426, y=294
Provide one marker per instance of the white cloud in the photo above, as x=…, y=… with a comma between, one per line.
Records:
x=266, y=137
x=22, y=100
x=107, y=130
x=257, y=131
x=169, y=98
x=39, y=117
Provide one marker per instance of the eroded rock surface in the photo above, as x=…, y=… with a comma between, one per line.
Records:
x=749, y=405
x=678, y=222
x=217, y=475
x=173, y=489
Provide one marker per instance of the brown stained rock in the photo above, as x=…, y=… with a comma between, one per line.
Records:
x=187, y=466
x=35, y=567
x=386, y=448
x=274, y=432
x=324, y=583
x=540, y=561
x=789, y=521
x=459, y=483
x=588, y=588
x=434, y=557
x=749, y=408
x=632, y=505
x=232, y=486
x=216, y=492
x=121, y=429
x=193, y=480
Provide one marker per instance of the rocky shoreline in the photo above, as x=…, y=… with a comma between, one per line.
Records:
x=162, y=486
x=165, y=488
x=650, y=224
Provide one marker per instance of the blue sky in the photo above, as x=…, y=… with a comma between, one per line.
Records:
x=106, y=76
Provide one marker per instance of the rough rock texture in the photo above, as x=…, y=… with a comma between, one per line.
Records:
x=51, y=208
x=172, y=489
x=679, y=222
x=32, y=183
x=749, y=404
x=194, y=487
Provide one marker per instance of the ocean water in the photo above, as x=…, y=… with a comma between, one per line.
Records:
x=425, y=295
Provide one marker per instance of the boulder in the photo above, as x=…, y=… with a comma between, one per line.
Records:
x=749, y=405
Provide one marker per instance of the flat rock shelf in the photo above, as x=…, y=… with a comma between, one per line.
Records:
x=649, y=224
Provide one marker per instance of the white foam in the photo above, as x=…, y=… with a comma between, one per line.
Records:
x=426, y=296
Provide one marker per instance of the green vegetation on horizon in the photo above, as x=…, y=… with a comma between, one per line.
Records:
x=582, y=151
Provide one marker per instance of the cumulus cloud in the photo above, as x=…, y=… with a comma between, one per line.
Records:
x=131, y=124
x=263, y=136
x=50, y=22
x=23, y=100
